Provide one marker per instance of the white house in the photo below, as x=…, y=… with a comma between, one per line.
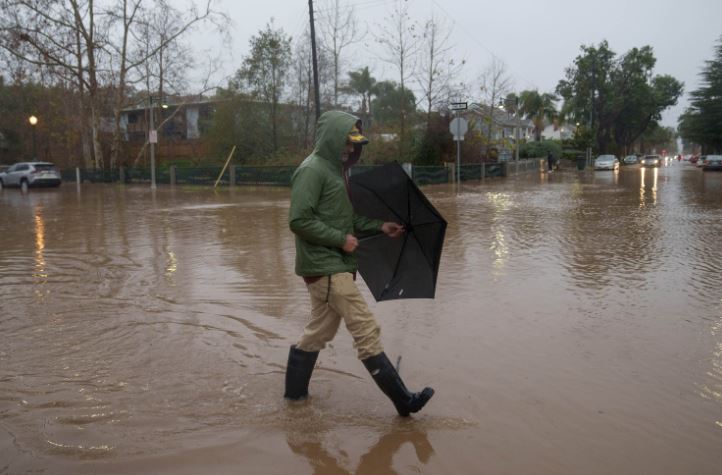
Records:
x=558, y=131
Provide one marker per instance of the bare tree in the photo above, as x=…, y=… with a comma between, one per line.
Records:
x=302, y=83
x=64, y=38
x=339, y=29
x=399, y=37
x=437, y=68
x=495, y=83
x=165, y=73
x=158, y=51
x=88, y=43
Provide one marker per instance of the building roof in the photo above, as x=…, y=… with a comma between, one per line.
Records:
x=500, y=116
x=143, y=104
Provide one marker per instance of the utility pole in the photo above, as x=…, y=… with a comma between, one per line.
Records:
x=591, y=112
x=153, y=139
x=516, y=132
x=316, y=93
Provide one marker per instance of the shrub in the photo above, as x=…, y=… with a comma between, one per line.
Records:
x=540, y=149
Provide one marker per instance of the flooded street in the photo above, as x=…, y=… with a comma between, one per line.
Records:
x=577, y=328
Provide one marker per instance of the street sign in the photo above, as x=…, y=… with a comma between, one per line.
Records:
x=153, y=136
x=458, y=127
x=458, y=106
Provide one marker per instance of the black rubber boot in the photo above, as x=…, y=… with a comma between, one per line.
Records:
x=298, y=372
x=391, y=384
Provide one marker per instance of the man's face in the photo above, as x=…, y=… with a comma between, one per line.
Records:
x=347, y=151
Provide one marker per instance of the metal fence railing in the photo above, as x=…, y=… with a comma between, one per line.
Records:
x=281, y=175
x=430, y=175
x=275, y=175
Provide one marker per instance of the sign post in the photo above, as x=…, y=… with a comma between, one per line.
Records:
x=458, y=127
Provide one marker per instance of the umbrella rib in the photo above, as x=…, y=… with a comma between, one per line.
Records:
x=380, y=200
x=403, y=246
x=398, y=263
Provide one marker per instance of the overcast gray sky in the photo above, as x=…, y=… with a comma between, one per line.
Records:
x=536, y=39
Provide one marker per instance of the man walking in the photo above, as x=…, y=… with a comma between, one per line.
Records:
x=324, y=223
x=550, y=161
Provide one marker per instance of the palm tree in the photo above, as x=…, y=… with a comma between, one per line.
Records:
x=539, y=108
x=361, y=82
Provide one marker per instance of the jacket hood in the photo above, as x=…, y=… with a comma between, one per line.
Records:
x=331, y=133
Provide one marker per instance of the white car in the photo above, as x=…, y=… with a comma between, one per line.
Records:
x=30, y=174
x=652, y=161
x=712, y=162
x=606, y=162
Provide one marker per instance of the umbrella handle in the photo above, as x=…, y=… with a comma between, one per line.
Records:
x=373, y=236
x=407, y=229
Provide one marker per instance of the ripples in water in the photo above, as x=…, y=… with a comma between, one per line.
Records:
x=139, y=321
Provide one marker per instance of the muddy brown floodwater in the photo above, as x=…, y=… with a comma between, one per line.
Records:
x=577, y=329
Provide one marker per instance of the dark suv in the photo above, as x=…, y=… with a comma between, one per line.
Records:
x=29, y=174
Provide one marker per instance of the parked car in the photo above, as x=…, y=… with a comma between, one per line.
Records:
x=700, y=162
x=712, y=162
x=630, y=160
x=606, y=162
x=30, y=174
x=652, y=161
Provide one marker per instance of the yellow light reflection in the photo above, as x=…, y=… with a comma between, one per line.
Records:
x=501, y=204
x=171, y=264
x=712, y=389
x=500, y=249
x=643, y=187
x=40, y=266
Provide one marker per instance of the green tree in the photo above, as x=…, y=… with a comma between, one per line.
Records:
x=620, y=96
x=239, y=120
x=362, y=83
x=540, y=149
x=658, y=138
x=702, y=121
x=539, y=108
x=435, y=142
x=264, y=72
x=385, y=105
x=640, y=102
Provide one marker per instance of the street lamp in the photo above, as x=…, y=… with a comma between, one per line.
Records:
x=153, y=136
x=33, y=122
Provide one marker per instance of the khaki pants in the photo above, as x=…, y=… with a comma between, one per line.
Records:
x=342, y=300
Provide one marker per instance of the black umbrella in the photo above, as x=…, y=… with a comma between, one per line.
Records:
x=405, y=267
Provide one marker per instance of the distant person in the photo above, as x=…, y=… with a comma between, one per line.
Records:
x=550, y=161
x=323, y=220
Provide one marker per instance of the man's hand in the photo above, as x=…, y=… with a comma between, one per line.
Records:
x=392, y=230
x=351, y=243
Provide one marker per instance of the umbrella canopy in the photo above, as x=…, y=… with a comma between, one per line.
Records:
x=405, y=267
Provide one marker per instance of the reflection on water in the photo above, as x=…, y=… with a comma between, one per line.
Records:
x=317, y=448
x=643, y=198
x=500, y=204
x=40, y=271
x=713, y=388
x=576, y=326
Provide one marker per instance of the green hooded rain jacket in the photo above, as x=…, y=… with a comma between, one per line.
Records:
x=321, y=213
